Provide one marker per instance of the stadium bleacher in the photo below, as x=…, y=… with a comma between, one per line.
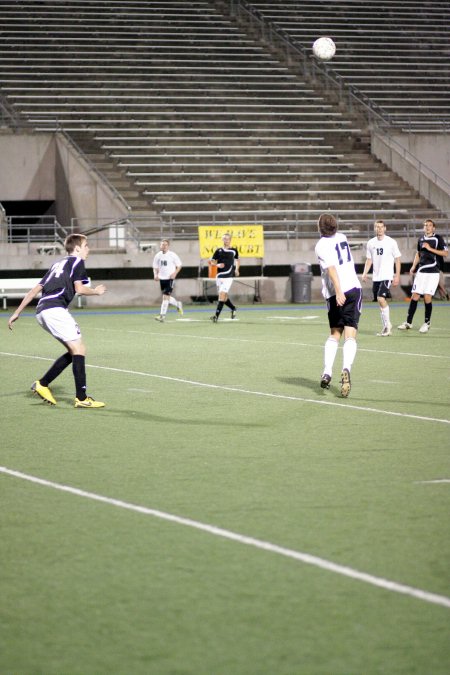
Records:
x=396, y=54
x=194, y=119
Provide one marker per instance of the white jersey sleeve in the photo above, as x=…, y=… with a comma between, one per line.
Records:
x=335, y=252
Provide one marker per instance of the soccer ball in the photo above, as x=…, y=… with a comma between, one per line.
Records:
x=324, y=48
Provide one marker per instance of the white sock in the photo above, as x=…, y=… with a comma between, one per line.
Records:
x=349, y=353
x=384, y=311
x=331, y=346
x=173, y=301
x=164, y=306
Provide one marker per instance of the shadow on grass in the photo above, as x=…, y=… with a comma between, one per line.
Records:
x=307, y=383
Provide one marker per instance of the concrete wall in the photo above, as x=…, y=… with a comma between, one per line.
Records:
x=80, y=193
x=422, y=160
x=46, y=167
x=27, y=167
x=431, y=149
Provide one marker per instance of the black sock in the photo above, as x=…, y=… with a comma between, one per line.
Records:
x=219, y=307
x=79, y=373
x=428, y=310
x=411, y=310
x=56, y=369
x=230, y=305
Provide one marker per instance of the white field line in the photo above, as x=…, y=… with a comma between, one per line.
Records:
x=250, y=392
x=305, y=558
x=430, y=482
x=267, y=342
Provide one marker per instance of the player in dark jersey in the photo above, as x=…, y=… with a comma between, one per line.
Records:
x=58, y=287
x=226, y=258
x=426, y=266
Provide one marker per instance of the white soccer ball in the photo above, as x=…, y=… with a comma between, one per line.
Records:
x=324, y=48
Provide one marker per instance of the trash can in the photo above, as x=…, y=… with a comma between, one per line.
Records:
x=301, y=280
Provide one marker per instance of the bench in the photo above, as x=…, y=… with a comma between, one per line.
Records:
x=16, y=289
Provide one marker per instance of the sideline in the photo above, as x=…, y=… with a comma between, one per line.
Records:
x=305, y=558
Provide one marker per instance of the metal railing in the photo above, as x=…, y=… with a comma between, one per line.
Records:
x=33, y=229
x=108, y=235
x=141, y=234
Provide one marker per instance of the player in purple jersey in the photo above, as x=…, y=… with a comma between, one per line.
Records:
x=226, y=259
x=58, y=287
x=431, y=247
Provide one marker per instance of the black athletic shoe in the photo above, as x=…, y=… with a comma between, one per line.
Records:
x=214, y=318
x=325, y=381
x=233, y=313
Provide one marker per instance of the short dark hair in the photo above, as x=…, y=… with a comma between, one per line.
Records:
x=428, y=220
x=327, y=225
x=73, y=240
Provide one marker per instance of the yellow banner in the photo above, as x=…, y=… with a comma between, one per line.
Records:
x=248, y=239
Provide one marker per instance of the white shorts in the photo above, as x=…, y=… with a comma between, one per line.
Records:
x=224, y=285
x=59, y=323
x=425, y=284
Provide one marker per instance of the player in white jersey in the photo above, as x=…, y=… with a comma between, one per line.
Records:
x=342, y=290
x=383, y=253
x=166, y=266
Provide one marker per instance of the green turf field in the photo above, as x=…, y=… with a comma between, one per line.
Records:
x=312, y=532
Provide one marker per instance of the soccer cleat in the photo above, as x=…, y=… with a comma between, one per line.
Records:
x=214, y=318
x=387, y=330
x=425, y=327
x=88, y=402
x=325, y=381
x=346, y=385
x=233, y=313
x=180, y=308
x=44, y=392
x=159, y=318
x=405, y=326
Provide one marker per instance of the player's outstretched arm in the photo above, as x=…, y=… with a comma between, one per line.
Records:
x=26, y=301
x=82, y=289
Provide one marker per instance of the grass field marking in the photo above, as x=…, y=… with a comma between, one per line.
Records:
x=431, y=482
x=305, y=558
x=250, y=392
x=296, y=318
x=140, y=391
x=284, y=397
x=316, y=345
x=384, y=382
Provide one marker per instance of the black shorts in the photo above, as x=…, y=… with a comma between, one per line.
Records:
x=381, y=289
x=349, y=313
x=166, y=286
